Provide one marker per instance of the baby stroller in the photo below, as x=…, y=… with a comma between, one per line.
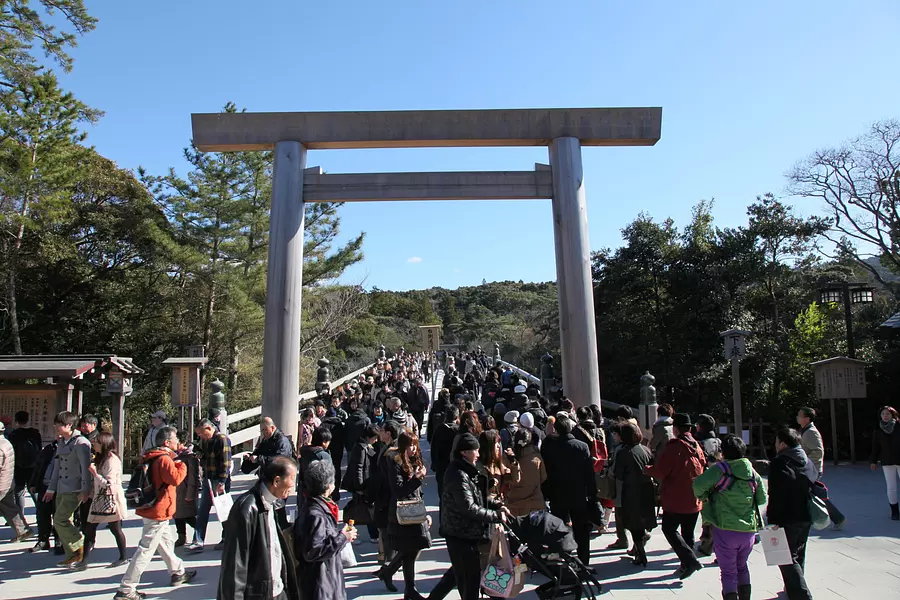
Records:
x=547, y=546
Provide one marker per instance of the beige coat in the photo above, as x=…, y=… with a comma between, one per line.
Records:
x=109, y=475
x=526, y=476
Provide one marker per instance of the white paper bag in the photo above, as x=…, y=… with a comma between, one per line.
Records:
x=775, y=547
x=348, y=556
x=223, y=504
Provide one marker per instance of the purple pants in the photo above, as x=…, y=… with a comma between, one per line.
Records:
x=733, y=548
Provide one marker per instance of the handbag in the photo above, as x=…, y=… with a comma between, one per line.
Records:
x=502, y=578
x=104, y=503
x=411, y=512
x=818, y=513
x=358, y=511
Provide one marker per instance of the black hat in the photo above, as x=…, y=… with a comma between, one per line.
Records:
x=467, y=441
x=682, y=421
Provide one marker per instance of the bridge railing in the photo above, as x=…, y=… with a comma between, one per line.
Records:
x=251, y=433
x=523, y=374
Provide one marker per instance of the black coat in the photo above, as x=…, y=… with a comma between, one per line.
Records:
x=355, y=427
x=638, y=510
x=358, y=467
x=886, y=446
x=308, y=455
x=417, y=399
x=465, y=512
x=267, y=449
x=318, y=542
x=45, y=459
x=442, y=446
x=570, y=483
x=404, y=538
x=790, y=476
x=379, y=490
x=246, y=569
x=435, y=418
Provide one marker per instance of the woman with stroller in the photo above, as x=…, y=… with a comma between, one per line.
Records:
x=405, y=473
x=638, y=504
x=527, y=474
x=465, y=516
x=731, y=492
x=108, y=497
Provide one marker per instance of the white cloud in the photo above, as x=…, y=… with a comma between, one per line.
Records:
x=414, y=259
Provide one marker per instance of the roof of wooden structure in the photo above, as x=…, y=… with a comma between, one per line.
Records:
x=63, y=366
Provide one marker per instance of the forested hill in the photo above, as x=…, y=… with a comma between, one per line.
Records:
x=521, y=317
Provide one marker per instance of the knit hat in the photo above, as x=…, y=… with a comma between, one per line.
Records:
x=467, y=441
x=527, y=420
x=519, y=389
x=511, y=417
x=160, y=414
x=682, y=421
x=499, y=408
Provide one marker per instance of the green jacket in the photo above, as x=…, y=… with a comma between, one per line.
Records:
x=733, y=509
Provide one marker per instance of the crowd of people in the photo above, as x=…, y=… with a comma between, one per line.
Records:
x=498, y=451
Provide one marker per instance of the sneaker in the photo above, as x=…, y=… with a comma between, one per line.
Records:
x=135, y=595
x=40, y=547
x=193, y=548
x=117, y=563
x=27, y=534
x=79, y=566
x=838, y=526
x=687, y=571
x=184, y=577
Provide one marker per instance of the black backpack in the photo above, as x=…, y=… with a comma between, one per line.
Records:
x=141, y=492
x=27, y=447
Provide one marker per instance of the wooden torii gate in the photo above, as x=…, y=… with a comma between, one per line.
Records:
x=290, y=135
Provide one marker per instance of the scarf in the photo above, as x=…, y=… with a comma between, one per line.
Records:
x=888, y=427
x=333, y=507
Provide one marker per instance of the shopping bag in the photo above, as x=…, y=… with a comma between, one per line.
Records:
x=775, y=547
x=348, y=556
x=502, y=578
x=223, y=504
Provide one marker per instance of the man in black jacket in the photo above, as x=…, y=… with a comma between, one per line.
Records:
x=570, y=485
x=272, y=443
x=417, y=401
x=465, y=515
x=442, y=446
x=357, y=422
x=254, y=563
x=790, y=476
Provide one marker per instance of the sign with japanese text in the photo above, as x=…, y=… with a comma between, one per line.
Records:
x=839, y=378
x=430, y=337
x=185, y=386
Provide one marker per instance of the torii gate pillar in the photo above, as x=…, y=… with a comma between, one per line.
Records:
x=577, y=328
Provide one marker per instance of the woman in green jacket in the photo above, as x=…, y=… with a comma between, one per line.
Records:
x=731, y=492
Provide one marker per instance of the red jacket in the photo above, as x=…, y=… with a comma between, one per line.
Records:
x=165, y=474
x=678, y=464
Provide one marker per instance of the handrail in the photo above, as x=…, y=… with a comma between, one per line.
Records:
x=523, y=373
x=252, y=432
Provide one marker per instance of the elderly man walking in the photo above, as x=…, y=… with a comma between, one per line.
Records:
x=215, y=459
x=811, y=442
x=254, y=560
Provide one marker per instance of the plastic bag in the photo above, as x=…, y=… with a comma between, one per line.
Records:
x=348, y=556
x=223, y=504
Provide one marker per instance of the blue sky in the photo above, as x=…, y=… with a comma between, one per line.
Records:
x=746, y=89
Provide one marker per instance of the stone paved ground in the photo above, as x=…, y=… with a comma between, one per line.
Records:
x=860, y=562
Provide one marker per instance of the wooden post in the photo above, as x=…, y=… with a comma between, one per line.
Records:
x=281, y=345
x=834, y=436
x=852, y=432
x=577, y=328
x=117, y=412
x=736, y=397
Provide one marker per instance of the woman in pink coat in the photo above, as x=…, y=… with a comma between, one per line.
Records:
x=107, y=499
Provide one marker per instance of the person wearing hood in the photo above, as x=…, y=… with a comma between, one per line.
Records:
x=662, y=429
x=680, y=462
x=886, y=450
x=791, y=474
x=731, y=493
x=511, y=419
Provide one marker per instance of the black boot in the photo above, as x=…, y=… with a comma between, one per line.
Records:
x=895, y=512
x=744, y=592
x=730, y=596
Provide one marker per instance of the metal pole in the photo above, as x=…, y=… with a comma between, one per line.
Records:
x=284, y=283
x=834, y=446
x=852, y=433
x=577, y=328
x=736, y=394
x=848, y=319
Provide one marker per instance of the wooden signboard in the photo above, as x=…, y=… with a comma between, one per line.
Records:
x=430, y=337
x=838, y=378
x=43, y=403
x=185, y=386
